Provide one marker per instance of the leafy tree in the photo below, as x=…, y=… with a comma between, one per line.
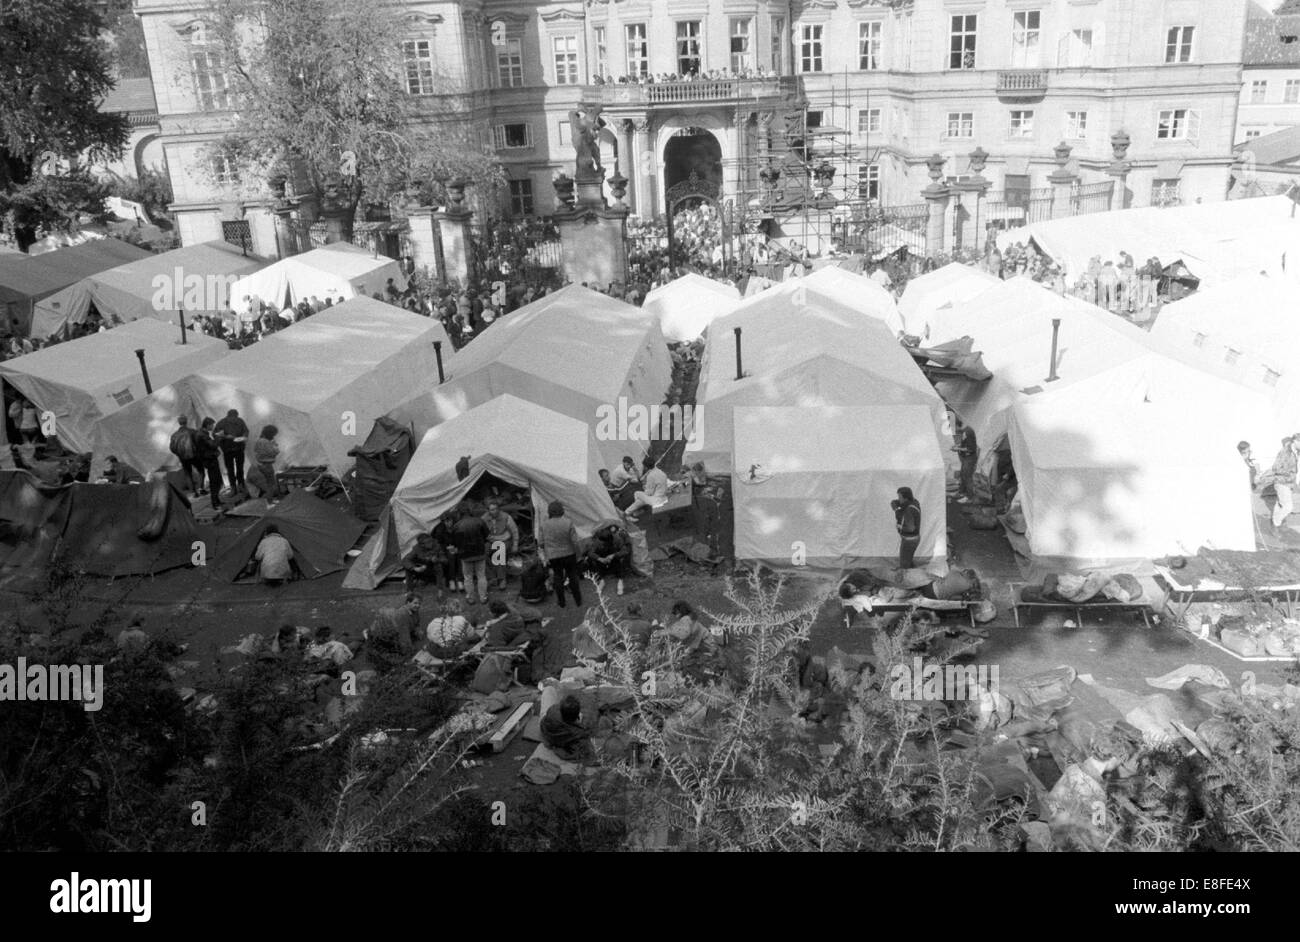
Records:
x=315, y=80
x=55, y=68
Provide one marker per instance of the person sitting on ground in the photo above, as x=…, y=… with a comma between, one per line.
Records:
x=326, y=650
x=639, y=628
x=532, y=581
x=132, y=638
x=655, y=493
x=609, y=554
x=625, y=473
x=686, y=629
x=564, y=733
x=424, y=563
x=451, y=633
x=504, y=629
x=274, y=557
x=118, y=472
x=392, y=636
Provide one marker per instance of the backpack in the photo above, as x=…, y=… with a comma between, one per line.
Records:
x=182, y=443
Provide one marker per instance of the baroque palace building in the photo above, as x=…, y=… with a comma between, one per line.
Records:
x=864, y=91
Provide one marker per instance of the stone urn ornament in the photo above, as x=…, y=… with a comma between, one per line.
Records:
x=456, y=195
x=564, y=184
x=978, y=158
x=1062, y=154
x=1119, y=142
x=618, y=187
x=935, y=162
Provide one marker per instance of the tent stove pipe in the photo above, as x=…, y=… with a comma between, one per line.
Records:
x=437, y=352
x=148, y=386
x=740, y=373
x=181, y=310
x=1056, y=332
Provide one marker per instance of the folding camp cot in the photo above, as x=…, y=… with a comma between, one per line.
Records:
x=1182, y=594
x=1018, y=602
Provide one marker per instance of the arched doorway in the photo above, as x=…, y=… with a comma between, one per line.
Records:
x=692, y=199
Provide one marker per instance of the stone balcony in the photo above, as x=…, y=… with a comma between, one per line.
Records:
x=703, y=92
x=1022, y=84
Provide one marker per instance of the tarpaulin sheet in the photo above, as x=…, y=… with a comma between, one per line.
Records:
x=101, y=529
x=380, y=463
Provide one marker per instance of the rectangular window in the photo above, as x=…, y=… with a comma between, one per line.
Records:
x=417, y=56
x=562, y=133
x=810, y=47
x=566, y=60
x=1291, y=91
x=1258, y=92
x=211, y=85
x=1024, y=39
x=601, y=42
x=961, y=47
x=1076, y=49
x=869, y=45
x=1179, y=124
x=224, y=169
x=510, y=64
x=1178, y=44
x=638, y=49
x=521, y=197
x=813, y=119
x=1022, y=124
x=869, y=182
x=1251, y=135
x=778, y=45
x=513, y=136
x=868, y=121
x=961, y=124
x=740, y=48
x=688, y=47
x=1076, y=125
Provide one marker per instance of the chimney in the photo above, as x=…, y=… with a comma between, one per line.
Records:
x=148, y=386
x=1056, y=332
x=740, y=372
x=437, y=352
x=184, y=339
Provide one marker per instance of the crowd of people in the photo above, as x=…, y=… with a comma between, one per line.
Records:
x=693, y=75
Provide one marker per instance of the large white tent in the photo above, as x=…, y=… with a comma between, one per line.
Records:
x=813, y=353
x=1249, y=330
x=334, y=270
x=322, y=382
x=1217, y=241
x=83, y=381
x=1119, y=485
x=196, y=277
x=1101, y=360
x=554, y=455
x=928, y=297
x=687, y=306
x=577, y=351
x=817, y=482
x=855, y=292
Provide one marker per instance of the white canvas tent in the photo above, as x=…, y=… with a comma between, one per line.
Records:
x=819, y=353
x=576, y=351
x=1117, y=486
x=1249, y=330
x=855, y=292
x=85, y=380
x=521, y=443
x=927, y=297
x=196, y=276
x=334, y=270
x=686, y=306
x=322, y=382
x=821, y=479
x=1217, y=241
x=1101, y=360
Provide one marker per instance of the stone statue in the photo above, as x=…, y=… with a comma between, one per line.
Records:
x=584, y=128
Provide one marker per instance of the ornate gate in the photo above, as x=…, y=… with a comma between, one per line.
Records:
x=692, y=189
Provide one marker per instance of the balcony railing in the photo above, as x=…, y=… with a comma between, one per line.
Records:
x=703, y=90
x=1022, y=83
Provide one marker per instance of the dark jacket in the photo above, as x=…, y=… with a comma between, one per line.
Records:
x=470, y=537
x=227, y=430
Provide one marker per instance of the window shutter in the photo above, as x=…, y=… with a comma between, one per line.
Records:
x=499, y=136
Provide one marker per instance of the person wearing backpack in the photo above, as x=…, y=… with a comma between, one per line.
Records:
x=182, y=446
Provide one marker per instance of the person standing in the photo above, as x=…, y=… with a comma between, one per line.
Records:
x=907, y=520
x=1283, y=477
x=232, y=436
x=207, y=457
x=182, y=446
x=471, y=538
x=503, y=539
x=559, y=545
x=265, y=451
x=967, y=452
